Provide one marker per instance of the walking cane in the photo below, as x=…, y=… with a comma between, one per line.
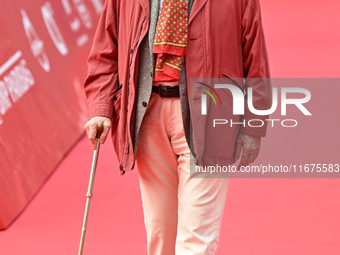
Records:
x=90, y=188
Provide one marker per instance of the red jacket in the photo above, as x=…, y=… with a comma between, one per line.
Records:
x=225, y=40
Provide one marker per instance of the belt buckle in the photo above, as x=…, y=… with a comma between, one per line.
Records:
x=161, y=88
x=163, y=91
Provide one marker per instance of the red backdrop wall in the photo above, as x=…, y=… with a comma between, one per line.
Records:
x=43, y=51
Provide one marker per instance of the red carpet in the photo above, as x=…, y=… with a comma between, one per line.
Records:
x=262, y=216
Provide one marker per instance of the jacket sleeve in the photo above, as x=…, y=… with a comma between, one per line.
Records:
x=255, y=67
x=102, y=78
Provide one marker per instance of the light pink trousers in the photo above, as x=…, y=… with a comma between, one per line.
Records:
x=182, y=214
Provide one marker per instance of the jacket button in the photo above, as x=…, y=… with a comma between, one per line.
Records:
x=131, y=50
x=144, y=104
x=121, y=167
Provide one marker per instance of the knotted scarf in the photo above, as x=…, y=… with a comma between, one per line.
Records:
x=171, y=37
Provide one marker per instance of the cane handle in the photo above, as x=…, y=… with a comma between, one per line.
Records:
x=100, y=129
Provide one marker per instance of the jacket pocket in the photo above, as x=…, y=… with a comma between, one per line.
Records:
x=115, y=129
x=116, y=107
x=234, y=81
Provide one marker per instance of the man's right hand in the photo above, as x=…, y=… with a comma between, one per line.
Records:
x=91, y=129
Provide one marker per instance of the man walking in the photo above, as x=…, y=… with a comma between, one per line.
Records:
x=144, y=54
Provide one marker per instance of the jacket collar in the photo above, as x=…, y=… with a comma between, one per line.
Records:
x=196, y=7
x=145, y=6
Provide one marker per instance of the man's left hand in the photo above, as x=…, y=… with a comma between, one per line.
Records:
x=250, y=147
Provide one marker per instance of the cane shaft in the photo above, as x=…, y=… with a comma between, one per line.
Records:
x=89, y=196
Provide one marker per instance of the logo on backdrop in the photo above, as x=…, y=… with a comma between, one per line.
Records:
x=17, y=80
x=36, y=44
x=53, y=30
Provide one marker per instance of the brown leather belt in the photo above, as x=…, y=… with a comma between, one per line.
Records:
x=166, y=91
